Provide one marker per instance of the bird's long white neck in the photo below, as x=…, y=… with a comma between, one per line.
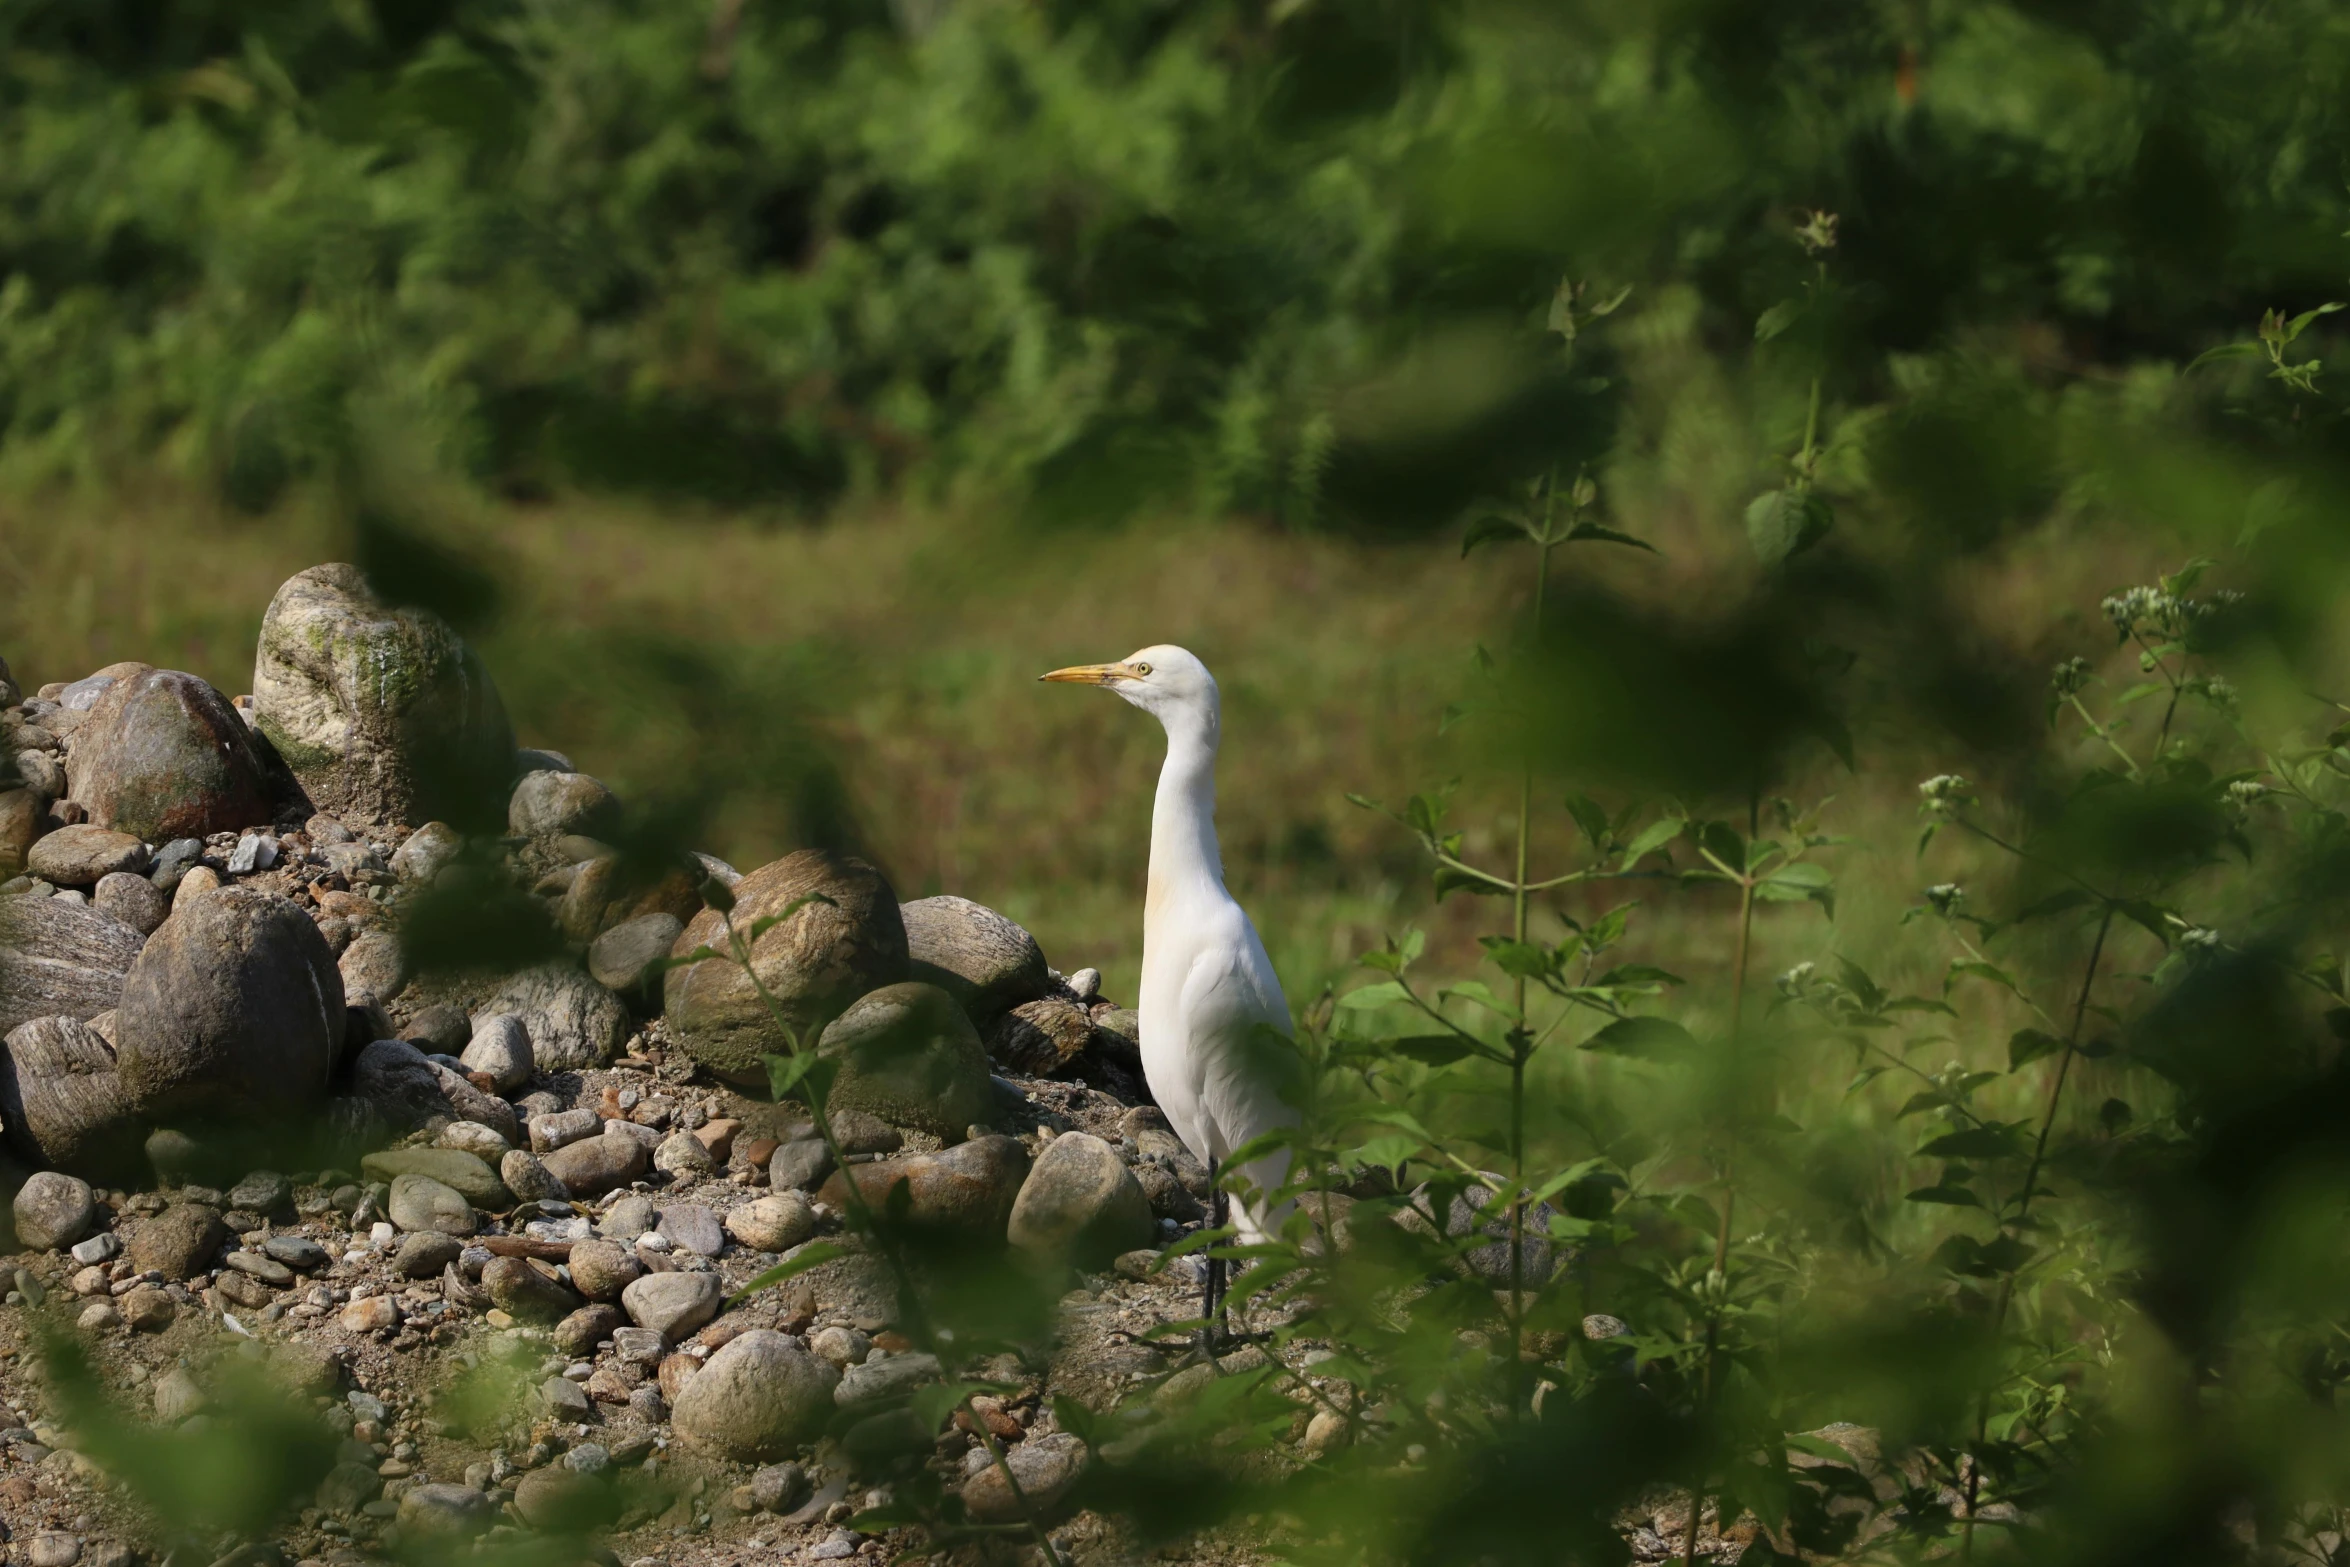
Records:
x=1185, y=861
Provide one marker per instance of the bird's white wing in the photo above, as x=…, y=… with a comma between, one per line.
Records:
x=1230, y=999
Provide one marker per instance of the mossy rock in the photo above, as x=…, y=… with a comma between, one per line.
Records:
x=383, y=714
x=907, y=1054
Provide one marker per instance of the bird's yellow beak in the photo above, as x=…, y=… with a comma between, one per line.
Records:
x=1091, y=674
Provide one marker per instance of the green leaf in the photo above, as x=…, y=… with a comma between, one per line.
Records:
x=2212, y=356
x=1776, y=320
x=1385, y=993
x=1593, y=534
x=1969, y=969
x=1589, y=817
x=1518, y=959
x=2054, y=903
x=1976, y=1142
x=1450, y=879
x=1652, y=838
x=1931, y=1099
x=1950, y=1196
x=1438, y=1049
x=1493, y=528
x=2300, y=323
x=1651, y=1038
x=1782, y=524
x=785, y=1074
x=813, y=1255
x=2029, y=1045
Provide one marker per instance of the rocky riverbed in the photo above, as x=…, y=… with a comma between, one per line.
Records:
x=493, y=1224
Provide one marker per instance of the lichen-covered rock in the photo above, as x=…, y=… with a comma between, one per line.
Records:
x=986, y=962
x=233, y=1009
x=756, y=1399
x=814, y=963
x=907, y=1054
x=574, y=1023
x=61, y=960
x=63, y=1102
x=1080, y=1204
x=163, y=755
x=383, y=714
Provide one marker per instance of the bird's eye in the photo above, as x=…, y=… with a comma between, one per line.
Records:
x=1142, y=669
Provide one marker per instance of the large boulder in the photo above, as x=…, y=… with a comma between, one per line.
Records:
x=63, y=1100
x=233, y=1009
x=967, y=1190
x=61, y=959
x=163, y=755
x=1080, y=1204
x=756, y=1399
x=985, y=961
x=574, y=1023
x=814, y=963
x=382, y=713
x=907, y=1054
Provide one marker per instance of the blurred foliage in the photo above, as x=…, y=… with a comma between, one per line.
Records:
x=1272, y=254
x=1842, y=309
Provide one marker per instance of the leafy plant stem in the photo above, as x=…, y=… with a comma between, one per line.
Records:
x=995, y=1453
x=1521, y=1042
x=1718, y=1280
x=2064, y=1065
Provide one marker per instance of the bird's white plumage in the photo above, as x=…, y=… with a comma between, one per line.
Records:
x=1214, y=1022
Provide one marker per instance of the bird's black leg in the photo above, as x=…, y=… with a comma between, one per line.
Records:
x=1212, y=1277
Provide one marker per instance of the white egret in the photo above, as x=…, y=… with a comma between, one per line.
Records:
x=1211, y=1005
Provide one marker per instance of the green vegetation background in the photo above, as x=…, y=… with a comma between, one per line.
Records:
x=774, y=389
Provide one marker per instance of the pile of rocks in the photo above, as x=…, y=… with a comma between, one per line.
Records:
x=203, y=982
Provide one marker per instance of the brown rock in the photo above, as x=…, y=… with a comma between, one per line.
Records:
x=525, y=1292
x=179, y=1242
x=147, y=1309
x=968, y=1189
x=22, y=816
x=814, y=963
x=79, y=856
x=596, y=1165
x=608, y=891
x=1041, y=1038
x=63, y=1102
x=163, y=755
x=600, y=1270
x=233, y=1009
x=59, y=960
